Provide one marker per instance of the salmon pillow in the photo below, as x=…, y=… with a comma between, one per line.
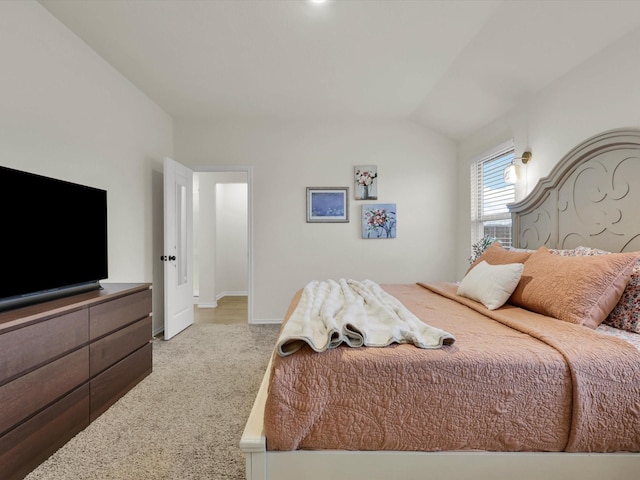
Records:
x=581, y=290
x=496, y=254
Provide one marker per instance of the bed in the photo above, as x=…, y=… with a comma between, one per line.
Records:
x=565, y=404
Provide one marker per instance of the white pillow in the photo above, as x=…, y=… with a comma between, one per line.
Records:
x=491, y=285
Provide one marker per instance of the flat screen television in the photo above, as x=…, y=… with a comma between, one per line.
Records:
x=53, y=238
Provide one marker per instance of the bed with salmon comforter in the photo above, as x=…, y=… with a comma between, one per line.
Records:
x=514, y=380
x=545, y=385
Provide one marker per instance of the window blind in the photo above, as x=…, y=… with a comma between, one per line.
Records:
x=490, y=195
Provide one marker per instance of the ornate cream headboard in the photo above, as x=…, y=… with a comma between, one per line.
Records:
x=590, y=198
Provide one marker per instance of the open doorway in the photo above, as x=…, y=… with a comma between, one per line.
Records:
x=222, y=250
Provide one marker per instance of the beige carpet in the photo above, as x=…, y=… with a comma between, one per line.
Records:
x=184, y=421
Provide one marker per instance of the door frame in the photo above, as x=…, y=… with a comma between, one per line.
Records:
x=249, y=171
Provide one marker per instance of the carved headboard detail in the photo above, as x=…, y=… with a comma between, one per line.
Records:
x=590, y=198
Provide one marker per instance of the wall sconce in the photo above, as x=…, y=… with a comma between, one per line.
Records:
x=512, y=170
x=525, y=158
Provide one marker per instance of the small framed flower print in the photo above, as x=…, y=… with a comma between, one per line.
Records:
x=366, y=182
x=379, y=220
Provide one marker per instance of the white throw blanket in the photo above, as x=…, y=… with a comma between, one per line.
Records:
x=355, y=313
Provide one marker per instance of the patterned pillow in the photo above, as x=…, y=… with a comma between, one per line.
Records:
x=626, y=314
x=564, y=253
x=587, y=251
x=555, y=251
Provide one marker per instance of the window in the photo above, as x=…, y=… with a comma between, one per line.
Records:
x=490, y=195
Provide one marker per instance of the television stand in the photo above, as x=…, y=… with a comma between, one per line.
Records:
x=65, y=362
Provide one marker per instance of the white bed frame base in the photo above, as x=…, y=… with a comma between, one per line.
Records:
x=590, y=198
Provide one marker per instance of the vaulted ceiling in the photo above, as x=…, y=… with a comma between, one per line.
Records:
x=450, y=65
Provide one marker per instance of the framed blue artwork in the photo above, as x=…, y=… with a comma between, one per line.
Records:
x=327, y=204
x=379, y=220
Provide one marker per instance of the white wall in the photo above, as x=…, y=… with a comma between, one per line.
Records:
x=66, y=113
x=204, y=231
x=417, y=170
x=600, y=95
x=220, y=234
x=231, y=239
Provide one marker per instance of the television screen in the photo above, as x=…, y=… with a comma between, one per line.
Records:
x=54, y=237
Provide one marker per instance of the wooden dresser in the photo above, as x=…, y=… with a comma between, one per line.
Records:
x=65, y=362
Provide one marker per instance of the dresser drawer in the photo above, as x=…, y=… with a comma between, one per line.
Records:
x=107, y=317
x=113, y=348
x=26, y=395
x=117, y=380
x=26, y=446
x=33, y=345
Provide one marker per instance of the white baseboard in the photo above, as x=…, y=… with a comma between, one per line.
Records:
x=199, y=304
x=232, y=294
x=266, y=321
x=206, y=305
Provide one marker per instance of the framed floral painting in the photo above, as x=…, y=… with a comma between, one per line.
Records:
x=327, y=204
x=366, y=182
x=379, y=220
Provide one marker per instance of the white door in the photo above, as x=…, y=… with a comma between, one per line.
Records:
x=178, y=248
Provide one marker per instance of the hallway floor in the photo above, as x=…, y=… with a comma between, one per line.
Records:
x=230, y=310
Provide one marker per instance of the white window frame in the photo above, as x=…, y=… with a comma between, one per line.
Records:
x=488, y=206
